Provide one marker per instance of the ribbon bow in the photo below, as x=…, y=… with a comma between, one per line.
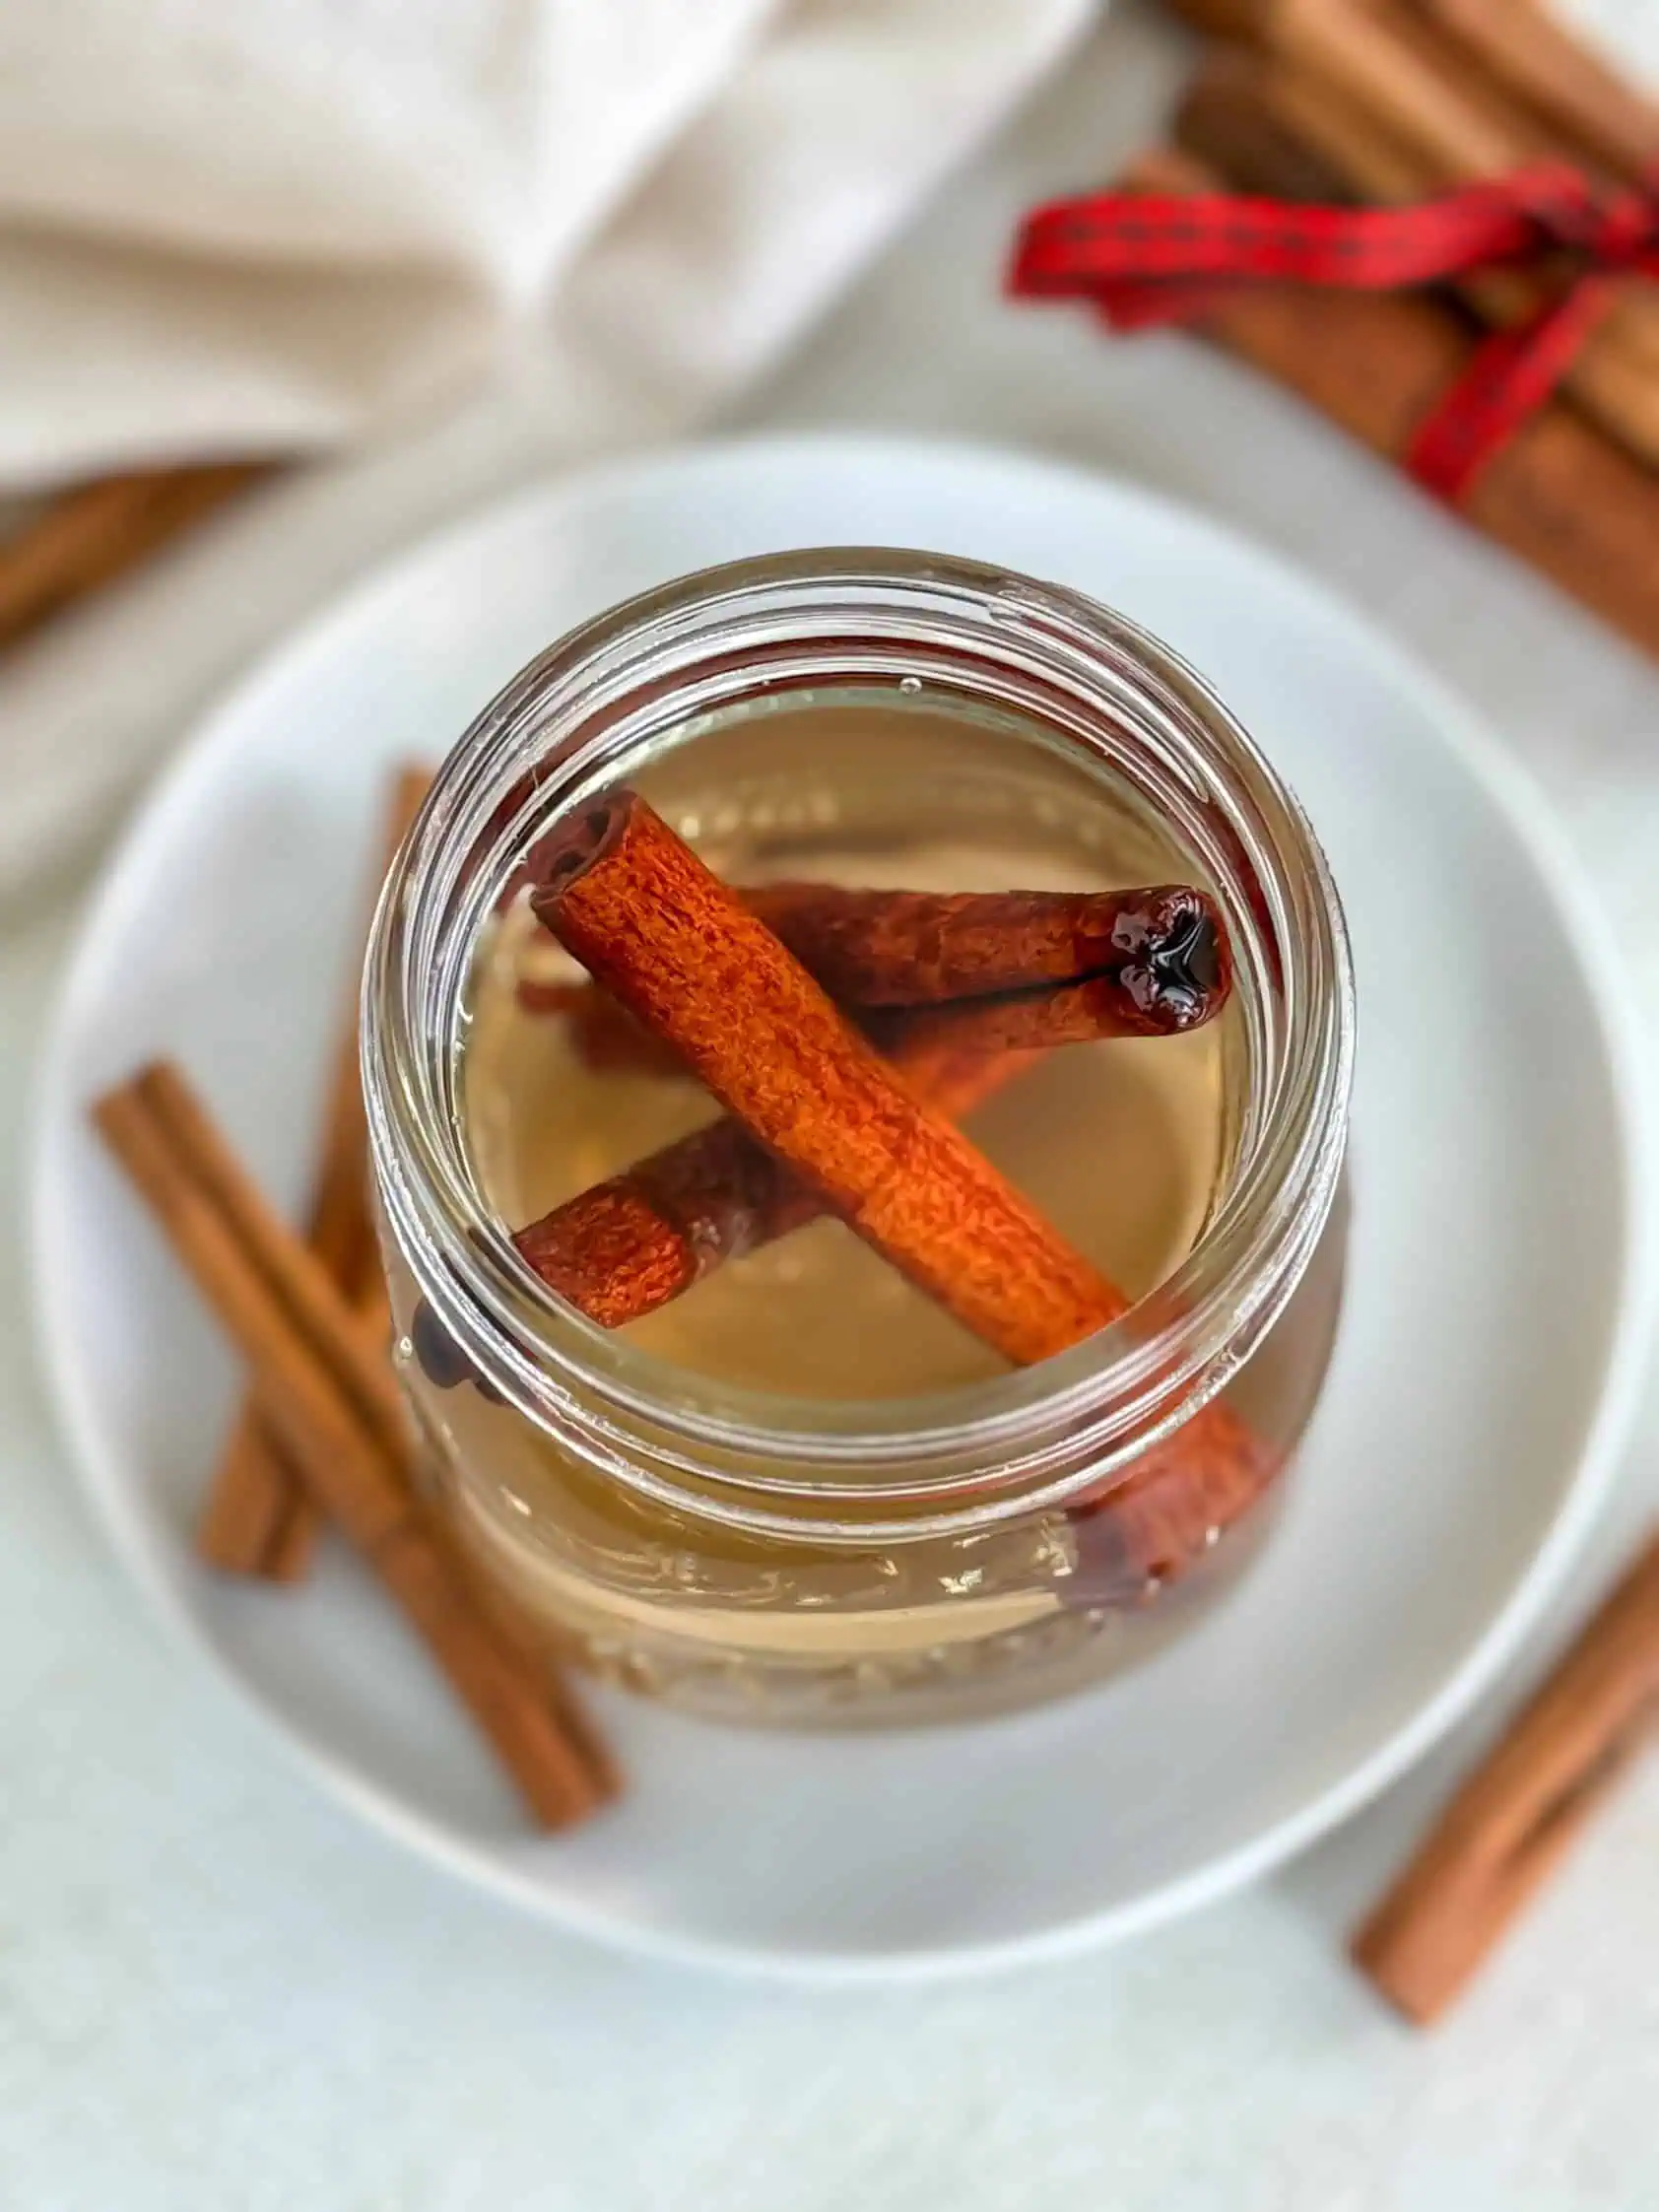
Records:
x=1156, y=259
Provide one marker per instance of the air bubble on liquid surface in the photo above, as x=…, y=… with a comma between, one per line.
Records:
x=909, y=685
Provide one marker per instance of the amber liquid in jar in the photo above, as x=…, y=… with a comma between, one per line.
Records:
x=1124, y=1144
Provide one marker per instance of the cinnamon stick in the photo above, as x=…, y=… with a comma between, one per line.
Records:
x=1156, y=958
x=1560, y=494
x=337, y=1409
x=631, y=901
x=258, y=1519
x=916, y=948
x=86, y=537
x=1520, y=1813
x=1176, y=1505
x=1529, y=51
x=648, y=921
x=1089, y=1012
x=624, y=1247
x=1239, y=95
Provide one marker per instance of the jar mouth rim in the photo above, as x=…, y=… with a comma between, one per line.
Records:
x=616, y=1403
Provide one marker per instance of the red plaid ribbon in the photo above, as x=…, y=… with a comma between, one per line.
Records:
x=1158, y=259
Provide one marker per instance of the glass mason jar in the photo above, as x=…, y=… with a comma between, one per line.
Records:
x=823, y=1560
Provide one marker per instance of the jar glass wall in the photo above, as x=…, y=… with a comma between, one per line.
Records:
x=799, y=1492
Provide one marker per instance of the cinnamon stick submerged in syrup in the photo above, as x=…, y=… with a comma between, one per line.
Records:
x=648, y=921
x=1163, y=945
x=629, y=1245
x=1065, y=968
x=624, y=1247
x=816, y=1124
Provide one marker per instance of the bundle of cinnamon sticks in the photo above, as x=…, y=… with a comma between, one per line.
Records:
x=1387, y=101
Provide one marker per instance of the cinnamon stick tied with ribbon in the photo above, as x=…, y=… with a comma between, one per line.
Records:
x=1329, y=145
x=1560, y=495
x=1147, y=258
x=1402, y=102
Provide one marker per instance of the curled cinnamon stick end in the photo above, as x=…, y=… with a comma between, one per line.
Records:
x=1150, y=961
x=1520, y=1813
x=1164, y=943
x=629, y=1245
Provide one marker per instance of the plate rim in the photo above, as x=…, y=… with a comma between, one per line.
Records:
x=1634, y=1274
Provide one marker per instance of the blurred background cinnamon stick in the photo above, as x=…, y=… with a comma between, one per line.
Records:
x=1515, y=1817
x=91, y=535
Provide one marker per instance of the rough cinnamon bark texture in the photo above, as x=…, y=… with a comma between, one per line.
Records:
x=1563, y=497
x=1523, y=1808
x=629, y=1245
x=1163, y=943
x=258, y=1519
x=90, y=536
x=641, y=913
x=1156, y=961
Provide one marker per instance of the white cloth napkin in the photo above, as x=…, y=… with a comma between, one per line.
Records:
x=449, y=240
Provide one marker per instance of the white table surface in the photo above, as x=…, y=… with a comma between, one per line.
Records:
x=218, y=1992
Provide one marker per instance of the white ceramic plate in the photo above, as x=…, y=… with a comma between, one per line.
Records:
x=1487, y=1352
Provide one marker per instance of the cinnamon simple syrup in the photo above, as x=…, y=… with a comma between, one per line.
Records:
x=1122, y=1144
x=1128, y=1146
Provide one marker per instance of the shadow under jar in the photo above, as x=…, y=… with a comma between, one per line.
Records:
x=801, y=1493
